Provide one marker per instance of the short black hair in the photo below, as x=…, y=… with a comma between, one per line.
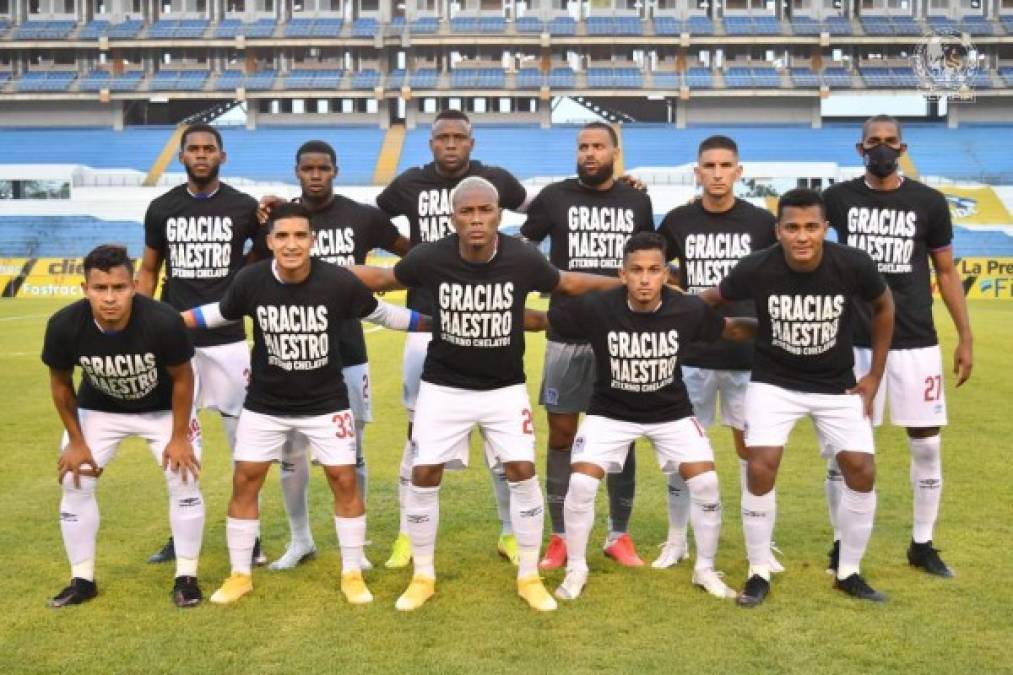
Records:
x=288, y=210
x=717, y=142
x=321, y=147
x=107, y=256
x=604, y=127
x=800, y=198
x=201, y=128
x=645, y=241
x=451, y=114
x=876, y=119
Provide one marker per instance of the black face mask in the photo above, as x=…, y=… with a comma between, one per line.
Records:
x=880, y=160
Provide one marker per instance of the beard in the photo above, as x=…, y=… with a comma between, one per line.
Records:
x=596, y=178
x=202, y=182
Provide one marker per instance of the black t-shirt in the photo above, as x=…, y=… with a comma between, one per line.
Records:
x=124, y=372
x=478, y=316
x=637, y=354
x=588, y=228
x=806, y=319
x=423, y=196
x=202, y=242
x=345, y=232
x=898, y=228
x=296, y=360
x=707, y=245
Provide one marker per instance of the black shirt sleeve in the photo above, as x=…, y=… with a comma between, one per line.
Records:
x=537, y=225
x=666, y=230
x=389, y=200
x=543, y=274
x=408, y=270
x=645, y=216
x=939, y=233
x=736, y=284
x=567, y=319
x=710, y=325
x=361, y=301
x=177, y=346
x=154, y=229
x=384, y=233
x=511, y=193
x=55, y=352
x=233, y=305
x=870, y=282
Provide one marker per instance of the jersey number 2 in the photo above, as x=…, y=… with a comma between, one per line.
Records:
x=345, y=424
x=527, y=423
x=933, y=387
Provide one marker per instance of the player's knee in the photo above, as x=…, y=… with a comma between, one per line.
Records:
x=583, y=489
x=85, y=489
x=922, y=432
x=925, y=454
x=859, y=471
x=703, y=488
x=518, y=471
x=427, y=475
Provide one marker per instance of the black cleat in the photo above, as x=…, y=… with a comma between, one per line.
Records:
x=834, y=557
x=186, y=592
x=80, y=590
x=259, y=558
x=165, y=554
x=856, y=587
x=754, y=593
x=927, y=558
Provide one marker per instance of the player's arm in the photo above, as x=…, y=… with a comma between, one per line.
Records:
x=400, y=246
x=399, y=318
x=951, y=289
x=77, y=455
x=881, y=328
x=178, y=454
x=205, y=317
x=267, y=202
x=535, y=321
x=739, y=328
x=147, y=276
x=578, y=283
x=377, y=279
x=712, y=296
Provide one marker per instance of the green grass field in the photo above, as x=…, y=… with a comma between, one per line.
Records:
x=628, y=620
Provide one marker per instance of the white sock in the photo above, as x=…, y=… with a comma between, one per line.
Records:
x=832, y=487
x=578, y=514
x=502, y=491
x=240, y=535
x=422, y=512
x=229, y=426
x=186, y=518
x=926, y=483
x=758, y=515
x=743, y=476
x=79, y=521
x=705, y=511
x=404, y=481
x=527, y=513
x=295, y=480
x=351, y=539
x=678, y=509
x=855, y=515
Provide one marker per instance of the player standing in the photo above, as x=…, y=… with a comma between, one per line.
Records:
x=200, y=230
x=137, y=380
x=588, y=220
x=707, y=237
x=637, y=333
x=422, y=195
x=474, y=374
x=902, y=224
x=805, y=294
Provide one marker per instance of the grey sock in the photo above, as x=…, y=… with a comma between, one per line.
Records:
x=621, y=488
x=557, y=481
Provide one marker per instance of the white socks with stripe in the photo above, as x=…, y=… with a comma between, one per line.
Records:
x=758, y=515
x=186, y=519
x=422, y=515
x=926, y=484
x=578, y=516
x=241, y=535
x=295, y=479
x=854, y=516
x=79, y=521
x=705, y=512
x=527, y=514
x=832, y=485
x=678, y=509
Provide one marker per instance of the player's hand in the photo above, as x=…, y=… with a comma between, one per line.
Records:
x=633, y=182
x=73, y=459
x=963, y=361
x=866, y=388
x=178, y=456
x=267, y=202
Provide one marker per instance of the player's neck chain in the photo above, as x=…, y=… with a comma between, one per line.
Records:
x=203, y=195
x=900, y=181
x=653, y=310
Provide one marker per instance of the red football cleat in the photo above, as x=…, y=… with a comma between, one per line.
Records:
x=623, y=552
x=555, y=554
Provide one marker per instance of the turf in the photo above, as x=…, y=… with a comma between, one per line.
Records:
x=628, y=620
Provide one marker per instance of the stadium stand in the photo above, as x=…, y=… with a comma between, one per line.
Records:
x=667, y=80
x=837, y=25
x=260, y=81
x=425, y=78
x=261, y=28
x=977, y=26
x=477, y=78
x=425, y=25
x=877, y=77
x=477, y=24
x=178, y=80
x=699, y=78
x=805, y=25
x=395, y=79
x=46, y=81
x=562, y=25
x=125, y=31
x=699, y=25
x=562, y=78
x=530, y=78
x=617, y=78
x=98, y=80
x=313, y=79
x=43, y=30
x=65, y=236
x=837, y=77
x=804, y=77
x=614, y=25
x=750, y=25
x=500, y=145
x=529, y=24
x=365, y=79
x=365, y=27
x=178, y=28
x=667, y=25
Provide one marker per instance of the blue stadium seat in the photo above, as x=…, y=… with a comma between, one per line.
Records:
x=562, y=25
x=805, y=78
x=191, y=28
x=396, y=25
x=425, y=25
x=228, y=80
x=906, y=26
x=739, y=25
x=805, y=25
x=65, y=236
x=977, y=26
x=313, y=79
x=93, y=30
x=299, y=28
x=43, y=30
x=699, y=78
x=365, y=79
x=464, y=24
x=477, y=78
x=767, y=25
x=525, y=151
x=425, y=78
x=699, y=25
x=904, y=77
x=837, y=25
x=228, y=28
x=395, y=79
x=326, y=27
x=530, y=78
x=260, y=81
x=365, y=27
x=876, y=77
x=943, y=23
x=1006, y=73
x=667, y=80
x=126, y=30
x=739, y=78
x=45, y=81
x=766, y=78
x=261, y=28
x=562, y=78
x=529, y=24
x=667, y=25
x=837, y=77
x=1007, y=22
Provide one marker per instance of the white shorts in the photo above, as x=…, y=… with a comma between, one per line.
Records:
x=704, y=385
x=771, y=413
x=415, y=347
x=606, y=442
x=104, y=431
x=913, y=384
x=331, y=437
x=221, y=374
x=357, y=381
x=445, y=416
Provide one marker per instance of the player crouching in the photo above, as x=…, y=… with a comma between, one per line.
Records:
x=135, y=355
x=636, y=334
x=298, y=305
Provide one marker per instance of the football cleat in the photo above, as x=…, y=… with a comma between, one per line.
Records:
x=186, y=592
x=754, y=592
x=419, y=590
x=79, y=590
x=259, y=558
x=711, y=581
x=365, y=563
x=672, y=553
x=856, y=587
x=235, y=587
x=296, y=554
x=533, y=591
x=573, y=584
x=506, y=547
x=834, y=557
x=555, y=554
x=400, y=553
x=775, y=565
x=353, y=587
x=165, y=554
x=927, y=557
x=623, y=552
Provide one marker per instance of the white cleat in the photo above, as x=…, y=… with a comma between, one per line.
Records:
x=296, y=554
x=672, y=553
x=573, y=584
x=712, y=581
x=775, y=565
x=366, y=565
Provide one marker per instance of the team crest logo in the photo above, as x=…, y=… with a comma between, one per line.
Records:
x=578, y=445
x=945, y=63
x=551, y=396
x=414, y=445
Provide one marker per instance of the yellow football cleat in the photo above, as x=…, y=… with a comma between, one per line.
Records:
x=400, y=553
x=418, y=591
x=235, y=587
x=353, y=587
x=507, y=548
x=533, y=591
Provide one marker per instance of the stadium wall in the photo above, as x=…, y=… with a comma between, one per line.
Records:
x=748, y=110
x=61, y=113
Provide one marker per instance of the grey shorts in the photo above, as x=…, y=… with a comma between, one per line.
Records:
x=567, y=378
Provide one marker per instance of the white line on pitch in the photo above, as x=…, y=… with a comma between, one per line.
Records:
x=373, y=329
x=22, y=316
